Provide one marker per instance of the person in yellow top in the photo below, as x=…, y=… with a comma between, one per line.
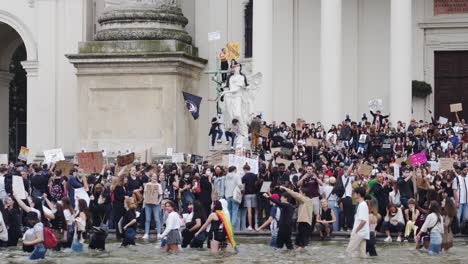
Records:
x=224, y=63
x=304, y=216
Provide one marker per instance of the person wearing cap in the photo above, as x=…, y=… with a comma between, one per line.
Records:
x=272, y=221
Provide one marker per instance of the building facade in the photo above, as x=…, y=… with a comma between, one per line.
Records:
x=321, y=59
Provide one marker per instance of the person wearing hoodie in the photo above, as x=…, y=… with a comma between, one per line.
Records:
x=233, y=181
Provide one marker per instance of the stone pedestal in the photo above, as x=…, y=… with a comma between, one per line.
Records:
x=130, y=87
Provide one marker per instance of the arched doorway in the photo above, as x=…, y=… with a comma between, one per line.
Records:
x=13, y=92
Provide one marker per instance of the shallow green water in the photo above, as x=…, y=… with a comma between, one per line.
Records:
x=317, y=252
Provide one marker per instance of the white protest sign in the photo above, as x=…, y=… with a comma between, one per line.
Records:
x=18, y=187
x=53, y=155
x=177, y=157
x=265, y=187
x=239, y=162
x=212, y=36
x=80, y=193
x=375, y=105
x=396, y=170
x=434, y=165
x=443, y=120
x=3, y=159
x=169, y=152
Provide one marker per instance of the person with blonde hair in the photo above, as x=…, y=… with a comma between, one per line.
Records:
x=411, y=215
x=374, y=218
x=129, y=222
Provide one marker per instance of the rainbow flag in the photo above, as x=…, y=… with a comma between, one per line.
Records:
x=228, y=228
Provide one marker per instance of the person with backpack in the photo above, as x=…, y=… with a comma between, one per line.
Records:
x=57, y=186
x=344, y=190
x=58, y=224
x=35, y=236
x=272, y=221
x=434, y=225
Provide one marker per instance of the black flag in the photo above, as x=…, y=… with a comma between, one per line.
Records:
x=193, y=104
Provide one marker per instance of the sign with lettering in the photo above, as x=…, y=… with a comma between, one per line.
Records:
x=65, y=166
x=365, y=170
x=313, y=142
x=90, y=162
x=264, y=132
x=126, y=159
x=18, y=187
x=456, y=108
x=3, y=159
x=53, y=155
x=446, y=7
x=446, y=164
x=418, y=159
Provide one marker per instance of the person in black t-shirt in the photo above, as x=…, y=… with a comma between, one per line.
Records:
x=277, y=140
x=250, y=194
x=129, y=222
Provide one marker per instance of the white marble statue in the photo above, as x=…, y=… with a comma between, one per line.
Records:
x=240, y=98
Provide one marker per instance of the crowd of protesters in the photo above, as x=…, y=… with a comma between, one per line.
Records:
x=327, y=193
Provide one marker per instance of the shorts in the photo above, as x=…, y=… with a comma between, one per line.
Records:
x=220, y=236
x=173, y=237
x=250, y=201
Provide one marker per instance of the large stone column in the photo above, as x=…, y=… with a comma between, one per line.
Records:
x=33, y=139
x=400, y=61
x=262, y=55
x=130, y=80
x=330, y=56
x=5, y=79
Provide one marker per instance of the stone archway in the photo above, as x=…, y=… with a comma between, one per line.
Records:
x=13, y=84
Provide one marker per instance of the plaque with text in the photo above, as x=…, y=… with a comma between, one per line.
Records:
x=447, y=7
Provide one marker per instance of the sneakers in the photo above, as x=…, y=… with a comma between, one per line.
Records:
x=145, y=236
x=398, y=239
x=249, y=228
x=389, y=239
x=219, y=141
x=227, y=143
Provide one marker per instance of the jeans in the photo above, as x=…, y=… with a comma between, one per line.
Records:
x=463, y=212
x=334, y=206
x=233, y=208
x=231, y=135
x=213, y=136
x=404, y=202
x=243, y=218
x=152, y=210
x=274, y=238
x=38, y=253
x=399, y=228
x=129, y=237
x=436, y=240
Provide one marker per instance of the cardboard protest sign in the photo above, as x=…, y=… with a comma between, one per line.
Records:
x=418, y=159
x=313, y=142
x=233, y=50
x=286, y=151
x=178, y=157
x=18, y=187
x=151, y=194
x=53, y=155
x=297, y=163
x=365, y=170
x=456, y=108
x=90, y=162
x=265, y=132
x=24, y=153
x=400, y=160
x=446, y=164
x=126, y=159
x=217, y=158
x=265, y=187
x=417, y=132
x=274, y=150
x=3, y=159
x=65, y=166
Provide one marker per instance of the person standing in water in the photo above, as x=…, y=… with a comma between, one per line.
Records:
x=360, y=232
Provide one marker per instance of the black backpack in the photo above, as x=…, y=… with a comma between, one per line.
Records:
x=340, y=189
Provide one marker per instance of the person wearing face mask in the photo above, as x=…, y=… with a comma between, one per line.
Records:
x=185, y=189
x=171, y=234
x=198, y=217
x=153, y=195
x=100, y=209
x=58, y=223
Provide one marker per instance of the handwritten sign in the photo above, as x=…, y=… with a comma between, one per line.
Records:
x=275, y=150
x=456, y=108
x=126, y=159
x=18, y=187
x=446, y=164
x=365, y=170
x=286, y=151
x=418, y=159
x=233, y=50
x=265, y=187
x=90, y=162
x=169, y=152
x=375, y=105
x=151, y=194
x=297, y=163
x=53, y=155
x=313, y=142
x=177, y=157
x=65, y=166
x=239, y=162
x=443, y=120
x=434, y=165
x=24, y=153
x=3, y=159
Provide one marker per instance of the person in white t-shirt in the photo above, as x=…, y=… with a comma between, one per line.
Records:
x=360, y=232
